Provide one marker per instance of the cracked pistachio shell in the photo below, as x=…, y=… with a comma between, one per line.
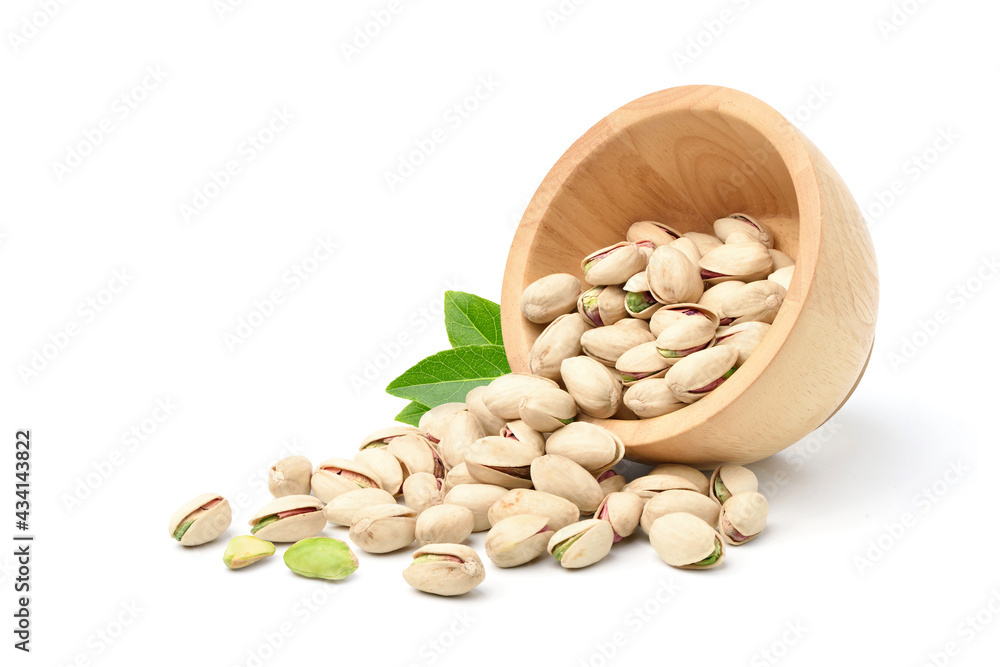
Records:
x=434, y=421
x=705, y=242
x=689, y=248
x=246, y=550
x=335, y=476
x=200, y=520
x=744, y=224
x=342, y=510
x=449, y=524
x=607, y=344
x=693, y=475
x=592, y=447
x=672, y=277
x=611, y=482
x=683, y=540
x=503, y=395
x=415, y=453
x=288, y=519
x=518, y=539
x=582, y=544
x=559, y=341
x=559, y=511
x=489, y=423
x=547, y=298
x=758, y=301
x=667, y=315
x=602, y=306
x=458, y=475
x=697, y=374
x=567, y=479
x=641, y=305
x=743, y=517
x=780, y=259
x=501, y=461
x=622, y=510
x=518, y=430
x=715, y=296
x=422, y=490
x=783, y=276
x=649, y=485
x=613, y=265
x=445, y=569
x=547, y=410
x=685, y=336
x=656, y=233
x=735, y=261
x=385, y=466
x=642, y=362
x=592, y=385
x=380, y=438
x=651, y=398
x=290, y=477
x=379, y=529
x=679, y=500
x=744, y=338
x=477, y=497
x=321, y=558
x=728, y=480
x=463, y=429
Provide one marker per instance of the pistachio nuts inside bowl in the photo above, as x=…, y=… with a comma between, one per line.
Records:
x=713, y=174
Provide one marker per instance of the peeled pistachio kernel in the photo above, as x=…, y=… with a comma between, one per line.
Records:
x=693, y=475
x=342, y=510
x=422, y=490
x=547, y=410
x=559, y=341
x=567, y=479
x=602, y=306
x=593, y=447
x=679, y=500
x=549, y=297
x=335, y=476
x=503, y=395
x=200, y=520
x=582, y=544
x=743, y=517
x=321, y=558
x=623, y=511
x=696, y=375
x=685, y=541
x=478, y=498
x=518, y=539
x=246, y=550
x=445, y=569
x=449, y=524
x=728, y=480
x=290, y=477
x=379, y=529
x=559, y=511
x=288, y=519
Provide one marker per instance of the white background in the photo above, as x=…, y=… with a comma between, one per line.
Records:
x=109, y=586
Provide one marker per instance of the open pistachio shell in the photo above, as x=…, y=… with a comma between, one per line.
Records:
x=783, y=276
x=342, y=510
x=651, y=398
x=728, y=480
x=518, y=430
x=503, y=395
x=445, y=569
x=679, y=500
x=744, y=224
x=697, y=374
x=622, y=510
x=451, y=524
x=758, y=301
x=592, y=447
x=379, y=529
x=501, y=461
x=715, y=296
x=558, y=342
x=290, y=477
x=649, y=485
x=735, y=261
x=489, y=422
x=335, y=476
x=559, y=511
x=567, y=479
x=415, y=453
x=744, y=338
x=613, y=265
x=582, y=544
x=592, y=385
x=245, y=550
x=422, y=490
x=477, y=497
x=743, y=517
x=672, y=277
x=288, y=519
x=685, y=336
x=656, y=233
x=667, y=315
x=381, y=437
x=602, y=306
x=693, y=475
x=433, y=422
x=549, y=297
x=685, y=541
x=547, y=410
x=463, y=429
x=705, y=242
x=385, y=466
x=321, y=558
x=689, y=248
x=200, y=520
x=642, y=362
x=518, y=539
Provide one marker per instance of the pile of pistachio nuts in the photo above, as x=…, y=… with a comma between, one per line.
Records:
x=667, y=319
x=512, y=460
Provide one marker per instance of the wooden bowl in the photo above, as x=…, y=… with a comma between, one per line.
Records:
x=687, y=156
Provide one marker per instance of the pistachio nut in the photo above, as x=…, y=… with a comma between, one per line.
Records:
x=386, y=467
x=685, y=541
x=445, y=569
x=567, y=479
x=679, y=500
x=754, y=302
x=501, y=461
x=463, y=429
x=518, y=430
x=449, y=524
x=651, y=398
x=559, y=341
x=503, y=395
x=477, y=497
x=685, y=336
x=595, y=389
x=693, y=475
x=290, y=477
x=743, y=517
x=342, y=510
x=637, y=283
x=422, y=490
x=715, y=296
x=740, y=237
x=607, y=344
x=743, y=223
x=381, y=437
x=547, y=298
x=705, y=242
x=518, y=539
x=689, y=248
x=613, y=265
x=735, y=261
x=335, y=476
x=489, y=423
x=246, y=550
x=699, y=373
x=780, y=259
x=783, y=276
x=321, y=558
x=611, y=482
x=648, y=486
x=457, y=475
x=415, y=453
x=433, y=422
x=288, y=519
x=728, y=480
x=547, y=410
x=200, y=520
x=672, y=277
x=634, y=323
x=622, y=510
x=592, y=447
x=642, y=362
x=744, y=338
x=641, y=304
x=602, y=305
x=656, y=233
x=582, y=544
x=667, y=315
x=559, y=511
x=379, y=529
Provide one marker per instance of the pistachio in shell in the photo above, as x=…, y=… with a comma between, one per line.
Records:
x=559, y=511
x=783, y=276
x=321, y=558
x=689, y=248
x=592, y=385
x=422, y=490
x=735, y=261
x=477, y=497
x=705, y=242
x=614, y=264
x=592, y=447
x=648, y=486
x=651, y=398
x=743, y=517
x=290, y=477
x=757, y=301
x=744, y=224
x=716, y=295
x=450, y=524
x=679, y=500
x=501, y=461
x=547, y=410
x=693, y=475
x=684, y=541
x=200, y=520
x=461, y=431
x=519, y=430
x=685, y=336
x=457, y=475
x=656, y=233
x=558, y=342
x=416, y=453
x=669, y=314
x=728, y=480
x=380, y=438
x=342, y=510
x=582, y=544
x=611, y=482
x=288, y=519
x=335, y=476
x=603, y=305
x=379, y=529
x=672, y=277
x=518, y=539
x=567, y=479
x=433, y=422
x=489, y=422
x=549, y=297
x=445, y=569
x=699, y=373
x=623, y=511
x=607, y=344
x=503, y=395
x=386, y=467
x=744, y=338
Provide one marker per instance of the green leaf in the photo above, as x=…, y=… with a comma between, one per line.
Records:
x=471, y=320
x=448, y=376
x=412, y=413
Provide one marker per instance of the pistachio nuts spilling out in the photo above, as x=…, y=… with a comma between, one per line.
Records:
x=657, y=305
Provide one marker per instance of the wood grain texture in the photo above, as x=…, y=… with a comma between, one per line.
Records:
x=687, y=156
